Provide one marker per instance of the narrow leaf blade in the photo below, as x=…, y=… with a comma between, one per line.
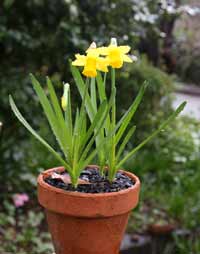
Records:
x=161, y=127
x=125, y=120
x=34, y=133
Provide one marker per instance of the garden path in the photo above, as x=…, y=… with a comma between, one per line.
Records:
x=191, y=94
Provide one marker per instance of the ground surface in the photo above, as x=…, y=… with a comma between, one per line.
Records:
x=193, y=101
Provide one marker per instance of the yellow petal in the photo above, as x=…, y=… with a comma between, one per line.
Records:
x=92, y=53
x=115, y=57
x=127, y=59
x=78, y=63
x=116, y=64
x=80, y=57
x=124, y=49
x=102, y=64
x=80, y=60
x=103, y=51
x=89, y=72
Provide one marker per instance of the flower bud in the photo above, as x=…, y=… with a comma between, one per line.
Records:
x=64, y=99
x=92, y=45
x=113, y=41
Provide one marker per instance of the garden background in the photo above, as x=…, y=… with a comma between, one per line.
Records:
x=40, y=36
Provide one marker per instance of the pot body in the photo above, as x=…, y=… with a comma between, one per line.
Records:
x=86, y=223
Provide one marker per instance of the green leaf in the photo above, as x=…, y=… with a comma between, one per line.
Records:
x=55, y=102
x=81, y=87
x=101, y=87
x=161, y=127
x=75, y=132
x=93, y=94
x=102, y=96
x=125, y=141
x=68, y=114
x=78, y=129
x=99, y=127
x=99, y=115
x=65, y=130
x=34, y=133
x=125, y=120
x=83, y=163
x=49, y=114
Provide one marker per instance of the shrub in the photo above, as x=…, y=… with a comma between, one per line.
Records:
x=169, y=169
x=157, y=98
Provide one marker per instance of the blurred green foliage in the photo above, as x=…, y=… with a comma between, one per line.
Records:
x=169, y=168
x=21, y=232
x=157, y=99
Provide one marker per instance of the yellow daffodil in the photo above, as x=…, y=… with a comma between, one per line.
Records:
x=116, y=55
x=91, y=62
x=90, y=66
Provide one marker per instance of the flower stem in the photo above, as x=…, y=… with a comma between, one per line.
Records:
x=113, y=122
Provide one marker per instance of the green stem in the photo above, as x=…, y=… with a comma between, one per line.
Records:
x=104, y=79
x=113, y=123
x=74, y=180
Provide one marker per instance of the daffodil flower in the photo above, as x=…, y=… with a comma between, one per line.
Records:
x=116, y=55
x=91, y=62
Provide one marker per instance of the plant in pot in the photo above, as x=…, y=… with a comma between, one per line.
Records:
x=87, y=206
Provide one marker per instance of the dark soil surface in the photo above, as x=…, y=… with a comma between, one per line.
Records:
x=98, y=183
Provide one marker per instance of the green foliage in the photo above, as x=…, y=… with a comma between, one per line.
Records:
x=187, y=245
x=157, y=96
x=75, y=140
x=169, y=170
x=188, y=67
x=21, y=232
x=128, y=82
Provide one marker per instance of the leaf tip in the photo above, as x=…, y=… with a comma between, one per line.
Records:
x=182, y=106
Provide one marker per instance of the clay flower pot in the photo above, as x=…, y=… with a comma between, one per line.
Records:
x=83, y=223
x=165, y=229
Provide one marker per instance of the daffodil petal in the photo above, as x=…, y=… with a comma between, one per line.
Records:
x=80, y=60
x=127, y=59
x=104, y=51
x=124, y=49
x=91, y=73
x=102, y=64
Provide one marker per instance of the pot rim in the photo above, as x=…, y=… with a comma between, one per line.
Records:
x=49, y=187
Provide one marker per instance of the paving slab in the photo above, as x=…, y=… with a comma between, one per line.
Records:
x=193, y=103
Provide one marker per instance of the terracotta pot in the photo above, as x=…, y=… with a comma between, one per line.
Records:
x=161, y=229
x=83, y=223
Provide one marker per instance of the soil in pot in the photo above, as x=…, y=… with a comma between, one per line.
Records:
x=97, y=183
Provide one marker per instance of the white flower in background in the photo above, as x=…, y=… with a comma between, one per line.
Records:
x=192, y=11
